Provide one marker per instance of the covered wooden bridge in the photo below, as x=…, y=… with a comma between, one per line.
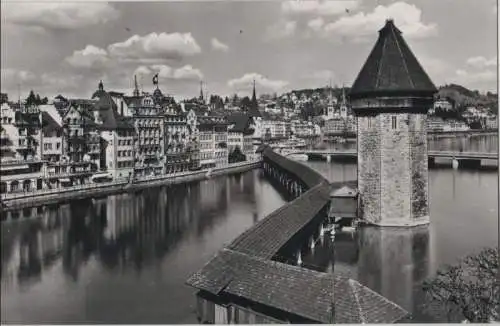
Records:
x=244, y=283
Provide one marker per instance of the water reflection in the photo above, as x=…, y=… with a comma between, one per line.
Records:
x=467, y=143
x=391, y=261
x=180, y=227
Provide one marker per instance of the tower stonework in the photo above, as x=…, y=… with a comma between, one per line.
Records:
x=390, y=98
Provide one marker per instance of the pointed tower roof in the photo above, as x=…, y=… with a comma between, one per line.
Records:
x=254, y=105
x=391, y=69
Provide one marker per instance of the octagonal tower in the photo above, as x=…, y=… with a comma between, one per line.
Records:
x=390, y=98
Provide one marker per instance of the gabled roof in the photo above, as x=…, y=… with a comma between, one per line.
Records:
x=49, y=125
x=108, y=113
x=391, y=69
x=241, y=122
x=295, y=290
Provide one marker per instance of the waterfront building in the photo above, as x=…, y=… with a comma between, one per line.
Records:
x=193, y=143
x=213, y=137
x=117, y=135
x=491, y=122
x=391, y=97
x=335, y=126
x=240, y=131
x=52, y=138
x=149, y=144
x=21, y=164
x=177, y=135
x=438, y=124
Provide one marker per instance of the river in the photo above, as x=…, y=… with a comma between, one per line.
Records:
x=125, y=258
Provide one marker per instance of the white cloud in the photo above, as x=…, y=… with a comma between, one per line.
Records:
x=407, y=18
x=218, y=45
x=186, y=72
x=280, y=30
x=156, y=46
x=475, y=77
x=13, y=76
x=246, y=82
x=91, y=57
x=481, y=62
x=316, y=24
x=324, y=75
x=58, y=15
x=327, y=7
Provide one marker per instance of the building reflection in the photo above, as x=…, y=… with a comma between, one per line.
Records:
x=120, y=231
x=394, y=262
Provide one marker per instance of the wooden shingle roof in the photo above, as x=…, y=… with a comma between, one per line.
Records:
x=269, y=235
x=295, y=290
x=391, y=68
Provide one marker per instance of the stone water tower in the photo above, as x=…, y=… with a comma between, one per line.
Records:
x=390, y=98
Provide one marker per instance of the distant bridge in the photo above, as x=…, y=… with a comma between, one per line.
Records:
x=431, y=154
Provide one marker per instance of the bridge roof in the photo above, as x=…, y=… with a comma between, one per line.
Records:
x=391, y=68
x=299, y=291
x=309, y=176
x=270, y=234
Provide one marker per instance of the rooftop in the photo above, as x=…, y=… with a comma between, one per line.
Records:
x=298, y=291
x=391, y=68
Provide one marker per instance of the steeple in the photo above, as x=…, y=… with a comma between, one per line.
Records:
x=391, y=69
x=254, y=106
x=201, y=91
x=136, y=87
x=254, y=97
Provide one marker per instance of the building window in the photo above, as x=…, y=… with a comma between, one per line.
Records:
x=369, y=122
x=394, y=122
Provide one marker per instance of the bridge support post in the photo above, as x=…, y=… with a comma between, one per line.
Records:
x=328, y=158
x=431, y=161
x=299, y=258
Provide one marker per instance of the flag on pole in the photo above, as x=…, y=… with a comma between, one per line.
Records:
x=155, y=79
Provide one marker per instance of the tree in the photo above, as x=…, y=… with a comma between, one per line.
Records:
x=31, y=99
x=245, y=102
x=471, y=287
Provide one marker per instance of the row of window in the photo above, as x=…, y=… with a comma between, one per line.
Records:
x=125, y=164
x=124, y=142
x=124, y=153
x=48, y=146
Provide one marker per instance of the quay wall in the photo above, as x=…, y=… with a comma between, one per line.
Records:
x=43, y=197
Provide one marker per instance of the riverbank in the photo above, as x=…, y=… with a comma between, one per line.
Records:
x=53, y=196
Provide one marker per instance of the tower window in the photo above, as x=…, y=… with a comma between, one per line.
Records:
x=394, y=122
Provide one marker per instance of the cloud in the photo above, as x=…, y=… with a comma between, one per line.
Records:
x=282, y=29
x=245, y=82
x=475, y=77
x=324, y=75
x=407, y=18
x=186, y=72
x=58, y=15
x=155, y=46
x=328, y=7
x=316, y=24
x=91, y=57
x=12, y=76
x=218, y=45
x=482, y=62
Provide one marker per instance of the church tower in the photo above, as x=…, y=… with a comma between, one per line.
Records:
x=390, y=98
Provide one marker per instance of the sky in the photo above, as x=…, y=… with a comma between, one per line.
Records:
x=67, y=47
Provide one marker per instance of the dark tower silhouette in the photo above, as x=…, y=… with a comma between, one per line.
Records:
x=253, y=111
x=391, y=97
